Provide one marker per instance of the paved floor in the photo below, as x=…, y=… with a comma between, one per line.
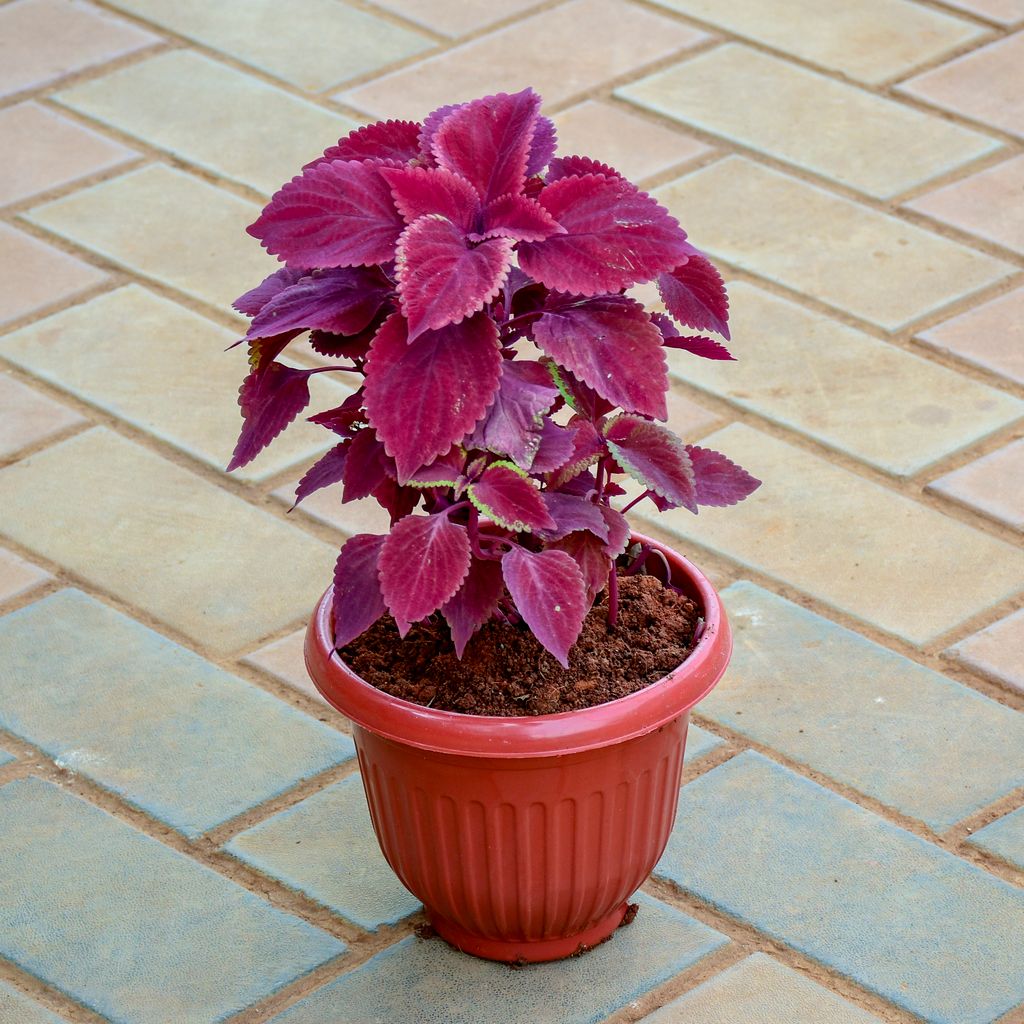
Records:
x=182, y=834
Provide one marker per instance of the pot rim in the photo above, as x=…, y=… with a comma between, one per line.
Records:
x=566, y=732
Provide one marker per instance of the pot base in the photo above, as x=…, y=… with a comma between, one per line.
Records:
x=511, y=952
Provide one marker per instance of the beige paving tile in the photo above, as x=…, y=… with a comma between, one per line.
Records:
x=561, y=52
x=990, y=335
x=315, y=44
x=1004, y=11
x=27, y=416
x=163, y=539
x=850, y=543
x=36, y=275
x=209, y=114
x=873, y=265
x=998, y=650
x=994, y=485
x=989, y=204
x=874, y=401
x=984, y=85
x=325, y=506
x=17, y=576
x=43, y=40
x=870, y=40
x=842, y=132
x=167, y=225
x=168, y=375
x=284, y=661
x=456, y=17
x=45, y=150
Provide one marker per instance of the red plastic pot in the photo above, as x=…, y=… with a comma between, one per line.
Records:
x=524, y=837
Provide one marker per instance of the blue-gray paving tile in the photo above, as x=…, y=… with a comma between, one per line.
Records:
x=866, y=716
x=5, y=758
x=1004, y=837
x=326, y=848
x=130, y=928
x=900, y=916
x=173, y=734
x=700, y=742
x=417, y=982
x=16, y=1008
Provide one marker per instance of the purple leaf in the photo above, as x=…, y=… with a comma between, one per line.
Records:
x=577, y=167
x=270, y=399
x=431, y=125
x=653, y=456
x=587, y=447
x=516, y=217
x=588, y=552
x=507, y=496
x=514, y=423
x=357, y=600
x=397, y=501
x=615, y=235
x=422, y=191
x=442, y=278
x=442, y=472
x=383, y=140
x=422, y=398
x=342, y=418
x=476, y=601
x=719, y=481
x=366, y=468
x=324, y=472
x=349, y=346
x=572, y=512
x=256, y=298
x=488, y=142
x=707, y=348
x=618, y=530
x=337, y=214
x=423, y=563
x=341, y=300
x=556, y=447
x=582, y=399
x=263, y=351
x=611, y=345
x=695, y=295
x=542, y=148
x=550, y=594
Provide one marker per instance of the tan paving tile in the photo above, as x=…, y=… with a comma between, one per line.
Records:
x=997, y=650
x=167, y=225
x=43, y=40
x=45, y=150
x=209, y=114
x=848, y=390
x=994, y=485
x=27, y=416
x=851, y=543
x=984, y=85
x=990, y=335
x=688, y=418
x=873, y=265
x=456, y=17
x=989, y=204
x=168, y=375
x=36, y=275
x=560, y=52
x=17, y=576
x=284, y=661
x=315, y=44
x=870, y=40
x=163, y=539
x=1004, y=11
x=842, y=132
x=633, y=145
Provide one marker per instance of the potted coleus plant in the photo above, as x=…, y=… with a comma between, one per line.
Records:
x=519, y=667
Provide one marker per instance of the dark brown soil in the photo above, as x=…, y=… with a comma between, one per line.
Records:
x=505, y=671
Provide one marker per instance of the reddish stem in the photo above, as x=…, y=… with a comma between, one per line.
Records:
x=613, y=597
x=635, y=501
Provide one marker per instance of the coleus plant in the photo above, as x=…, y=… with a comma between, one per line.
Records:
x=478, y=286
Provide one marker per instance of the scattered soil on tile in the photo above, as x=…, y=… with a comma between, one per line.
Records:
x=504, y=671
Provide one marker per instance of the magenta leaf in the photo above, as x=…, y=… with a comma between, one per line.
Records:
x=514, y=424
x=431, y=125
x=270, y=399
x=618, y=530
x=383, y=140
x=442, y=278
x=442, y=472
x=423, y=398
x=516, y=217
x=719, y=481
x=573, y=512
x=357, y=600
x=326, y=471
x=507, y=496
x=341, y=419
x=487, y=142
x=542, y=148
x=475, y=602
x=263, y=351
x=397, y=501
x=587, y=447
x=615, y=235
x=337, y=214
x=653, y=456
x=422, y=191
x=580, y=397
x=611, y=345
x=256, y=298
x=577, y=167
x=423, y=563
x=588, y=552
x=695, y=295
x=707, y=348
x=557, y=444
x=341, y=300
x=366, y=468
x=550, y=594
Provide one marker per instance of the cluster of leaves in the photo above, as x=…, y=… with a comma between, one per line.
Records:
x=477, y=284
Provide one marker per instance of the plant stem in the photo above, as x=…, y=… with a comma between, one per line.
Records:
x=635, y=501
